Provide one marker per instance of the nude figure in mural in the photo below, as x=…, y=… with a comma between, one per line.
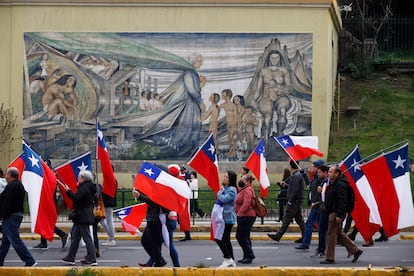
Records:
x=213, y=113
x=60, y=98
x=274, y=78
x=238, y=100
x=249, y=122
x=231, y=113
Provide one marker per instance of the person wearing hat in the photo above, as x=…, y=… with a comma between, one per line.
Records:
x=315, y=201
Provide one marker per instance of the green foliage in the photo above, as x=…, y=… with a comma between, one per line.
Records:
x=386, y=116
x=82, y=272
x=143, y=151
x=358, y=70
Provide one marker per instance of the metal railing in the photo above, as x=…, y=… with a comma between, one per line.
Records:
x=206, y=199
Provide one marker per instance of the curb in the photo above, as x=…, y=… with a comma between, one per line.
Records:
x=190, y=271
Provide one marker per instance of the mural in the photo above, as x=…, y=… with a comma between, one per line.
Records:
x=158, y=95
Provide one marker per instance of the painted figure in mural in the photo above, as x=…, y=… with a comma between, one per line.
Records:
x=144, y=103
x=274, y=82
x=182, y=97
x=213, y=113
x=231, y=113
x=60, y=98
x=238, y=100
x=45, y=65
x=249, y=122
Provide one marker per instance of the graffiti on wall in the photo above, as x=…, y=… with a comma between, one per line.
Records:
x=158, y=95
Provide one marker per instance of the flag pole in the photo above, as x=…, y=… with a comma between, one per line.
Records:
x=291, y=158
x=383, y=150
x=96, y=149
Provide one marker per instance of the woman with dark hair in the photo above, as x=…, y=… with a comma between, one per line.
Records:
x=246, y=216
x=227, y=196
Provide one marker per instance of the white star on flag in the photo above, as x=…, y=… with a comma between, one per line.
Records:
x=35, y=161
x=285, y=141
x=399, y=162
x=356, y=166
x=100, y=134
x=211, y=149
x=149, y=171
x=83, y=167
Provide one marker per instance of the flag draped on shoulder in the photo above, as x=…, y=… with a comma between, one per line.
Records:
x=69, y=171
x=256, y=163
x=39, y=182
x=365, y=214
x=131, y=217
x=299, y=147
x=205, y=163
x=109, y=181
x=162, y=188
x=389, y=178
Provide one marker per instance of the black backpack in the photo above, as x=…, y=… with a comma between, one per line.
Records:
x=350, y=198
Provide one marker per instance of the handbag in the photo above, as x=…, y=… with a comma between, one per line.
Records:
x=259, y=206
x=99, y=209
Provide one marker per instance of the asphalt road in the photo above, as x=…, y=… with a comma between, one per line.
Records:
x=393, y=253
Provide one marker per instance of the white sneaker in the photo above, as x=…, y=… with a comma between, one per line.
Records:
x=109, y=243
x=228, y=263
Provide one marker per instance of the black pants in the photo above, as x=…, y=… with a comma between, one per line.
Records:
x=151, y=240
x=225, y=243
x=57, y=231
x=244, y=228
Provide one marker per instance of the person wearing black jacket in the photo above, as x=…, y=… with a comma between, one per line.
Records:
x=335, y=206
x=152, y=239
x=83, y=201
x=11, y=211
x=294, y=198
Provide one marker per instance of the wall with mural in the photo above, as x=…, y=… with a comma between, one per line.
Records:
x=158, y=95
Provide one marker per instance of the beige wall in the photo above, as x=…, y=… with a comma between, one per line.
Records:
x=316, y=17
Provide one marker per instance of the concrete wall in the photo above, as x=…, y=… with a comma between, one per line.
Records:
x=317, y=17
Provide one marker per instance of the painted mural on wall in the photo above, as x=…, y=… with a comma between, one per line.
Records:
x=158, y=95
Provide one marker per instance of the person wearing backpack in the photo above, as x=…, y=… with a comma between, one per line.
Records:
x=246, y=216
x=336, y=207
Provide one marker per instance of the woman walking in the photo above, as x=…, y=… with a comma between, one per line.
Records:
x=227, y=196
x=246, y=216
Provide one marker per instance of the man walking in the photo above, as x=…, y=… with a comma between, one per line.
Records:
x=335, y=204
x=294, y=204
x=11, y=211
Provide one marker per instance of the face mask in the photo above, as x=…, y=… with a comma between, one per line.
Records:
x=241, y=184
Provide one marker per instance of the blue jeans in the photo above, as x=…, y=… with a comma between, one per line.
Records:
x=108, y=223
x=171, y=226
x=322, y=229
x=11, y=236
x=244, y=228
x=312, y=218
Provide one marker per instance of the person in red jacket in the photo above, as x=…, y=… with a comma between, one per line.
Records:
x=246, y=216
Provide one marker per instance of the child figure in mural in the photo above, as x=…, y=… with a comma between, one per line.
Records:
x=231, y=112
x=213, y=113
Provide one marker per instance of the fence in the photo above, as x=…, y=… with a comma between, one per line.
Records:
x=396, y=33
x=206, y=199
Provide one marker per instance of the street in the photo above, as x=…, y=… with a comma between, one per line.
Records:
x=205, y=253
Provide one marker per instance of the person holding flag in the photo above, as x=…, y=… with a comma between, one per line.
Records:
x=294, y=202
x=83, y=202
x=11, y=212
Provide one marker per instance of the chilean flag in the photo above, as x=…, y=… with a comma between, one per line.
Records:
x=257, y=164
x=299, y=147
x=109, y=181
x=131, y=217
x=205, y=163
x=68, y=174
x=39, y=182
x=389, y=178
x=161, y=187
x=365, y=214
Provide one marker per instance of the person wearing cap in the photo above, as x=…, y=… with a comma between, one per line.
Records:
x=315, y=201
